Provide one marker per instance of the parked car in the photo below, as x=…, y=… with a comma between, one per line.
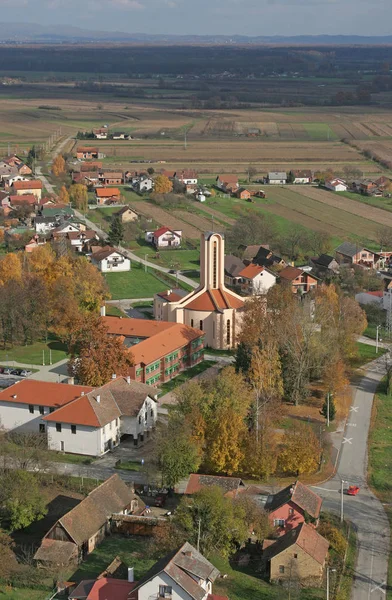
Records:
x=25, y=373
x=7, y=371
x=353, y=490
x=15, y=372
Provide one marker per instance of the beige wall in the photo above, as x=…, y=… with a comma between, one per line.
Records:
x=304, y=567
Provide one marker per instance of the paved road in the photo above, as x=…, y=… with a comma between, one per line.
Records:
x=365, y=510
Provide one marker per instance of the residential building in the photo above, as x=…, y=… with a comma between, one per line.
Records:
x=33, y=186
x=249, y=252
x=103, y=588
x=16, y=200
x=187, y=176
x=87, y=152
x=301, y=554
x=57, y=209
x=227, y=183
x=120, y=135
x=101, y=134
x=160, y=350
x=299, y=280
x=111, y=177
x=325, y=263
x=107, y=196
x=277, y=178
x=256, y=280
x=383, y=182
x=91, y=166
x=82, y=529
x=145, y=184
x=81, y=241
x=376, y=297
x=16, y=162
x=353, y=254
x=266, y=258
x=182, y=575
x=34, y=243
x=233, y=266
x=127, y=214
x=287, y=508
x=211, y=307
x=336, y=185
x=108, y=260
x=301, y=176
x=231, y=486
x=243, y=194
x=367, y=187
x=45, y=224
x=164, y=237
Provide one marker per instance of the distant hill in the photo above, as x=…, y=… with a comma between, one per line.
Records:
x=36, y=33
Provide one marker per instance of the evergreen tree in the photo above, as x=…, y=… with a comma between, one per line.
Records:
x=332, y=408
x=116, y=231
x=243, y=358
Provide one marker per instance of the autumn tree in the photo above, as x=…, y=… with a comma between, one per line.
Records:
x=10, y=268
x=8, y=563
x=252, y=171
x=162, y=185
x=384, y=236
x=301, y=450
x=64, y=195
x=252, y=228
x=78, y=196
x=58, y=166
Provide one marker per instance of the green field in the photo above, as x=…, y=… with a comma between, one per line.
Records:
x=35, y=353
x=319, y=131
x=23, y=594
x=134, y=284
x=366, y=353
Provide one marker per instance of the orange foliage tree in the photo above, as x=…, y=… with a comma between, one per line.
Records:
x=163, y=185
x=58, y=166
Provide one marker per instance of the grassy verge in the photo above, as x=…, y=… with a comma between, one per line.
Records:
x=214, y=352
x=34, y=353
x=380, y=457
x=185, y=376
x=9, y=593
x=346, y=580
x=114, y=311
x=74, y=459
x=365, y=354
x=129, y=465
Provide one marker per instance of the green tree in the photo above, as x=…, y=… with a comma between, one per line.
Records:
x=332, y=408
x=22, y=499
x=177, y=457
x=78, y=196
x=213, y=519
x=116, y=231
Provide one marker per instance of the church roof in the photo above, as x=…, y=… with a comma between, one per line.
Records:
x=215, y=299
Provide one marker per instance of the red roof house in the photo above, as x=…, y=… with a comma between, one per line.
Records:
x=287, y=508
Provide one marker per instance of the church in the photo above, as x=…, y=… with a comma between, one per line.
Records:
x=211, y=307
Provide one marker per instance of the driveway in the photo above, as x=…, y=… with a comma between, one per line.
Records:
x=365, y=511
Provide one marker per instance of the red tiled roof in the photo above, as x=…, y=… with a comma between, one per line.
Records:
x=170, y=297
x=228, y=178
x=107, y=192
x=32, y=184
x=77, y=412
x=87, y=149
x=216, y=597
x=113, y=589
x=211, y=300
x=378, y=294
x=42, y=393
x=251, y=271
x=135, y=327
x=306, y=537
x=28, y=198
x=163, y=230
x=290, y=273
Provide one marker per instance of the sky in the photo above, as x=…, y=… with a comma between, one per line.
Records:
x=206, y=17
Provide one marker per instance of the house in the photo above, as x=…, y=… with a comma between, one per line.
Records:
x=18, y=200
x=182, y=575
x=169, y=174
x=266, y=258
x=101, y=134
x=249, y=252
x=17, y=163
x=91, y=166
x=187, y=177
x=299, y=280
x=231, y=486
x=160, y=350
x=127, y=214
x=45, y=224
x=103, y=588
x=164, y=237
x=87, y=152
x=108, y=260
x=287, y=508
x=353, y=254
x=120, y=135
x=301, y=176
x=107, y=196
x=376, y=297
x=277, y=178
x=227, y=183
x=24, y=405
x=256, y=280
x=243, y=193
x=233, y=265
x=367, y=187
x=336, y=185
x=88, y=178
x=144, y=185
x=58, y=210
x=34, y=243
x=111, y=177
x=94, y=423
x=299, y=555
x=383, y=182
x=81, y=241
x=212, y=307
x=82, y=529
x=33, y=186
x=325, y=263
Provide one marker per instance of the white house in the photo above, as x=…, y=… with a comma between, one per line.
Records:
x=302, y=176
x=256, y=280
x=227, y=182
x=187, y=176
x=164, y=237
x=185, y=576
x=45, y=224
x=336, y=185
x=108, y=259
x=80, y=239
x=144, y=185
x=15, y=178
x=277, y=178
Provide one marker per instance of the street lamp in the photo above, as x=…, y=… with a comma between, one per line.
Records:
x=377, y=328
x=341, y=501
x=328, y=571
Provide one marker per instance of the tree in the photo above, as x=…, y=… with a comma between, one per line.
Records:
x=10, y=268
x=211, y=522
x=250, y=229
x=255, y=517
x=58, y=166
x=64, y=195
x=22, y=211
x=301, y=450
x=318, y=242
x=29, y=451
x=79, y=197
x=116, y=231
x=8, y=563
x=290, y=177
x=384, y=236
x=291, y=242
x=163, y=185
x=177, y=457
x=251, y=172
x=151, y=170
x=329, y=412
x=21, y=498
x=352, y=172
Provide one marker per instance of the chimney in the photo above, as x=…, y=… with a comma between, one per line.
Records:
x=71, y=380
x=114, y=376
x=128, y=380
x=98, y=398
x=14, y=396
x=103, y=311
x=131, y=576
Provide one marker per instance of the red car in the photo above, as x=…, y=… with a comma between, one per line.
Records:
x=353, y=490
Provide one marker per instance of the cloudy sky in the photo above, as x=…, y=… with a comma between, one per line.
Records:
x=249, y=17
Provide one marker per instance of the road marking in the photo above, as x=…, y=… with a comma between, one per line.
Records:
x=379, y=588
x=348, y=440
x=322, y=488
x=351, y=424
x=354, y=409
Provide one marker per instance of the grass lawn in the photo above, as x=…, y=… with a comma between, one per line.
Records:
x=74, y=459
x=185, y=376
x=129, y=465
x=172, y=259
x=114, y=311
x=33, y=354
x=133, y=551
x=319, y=131
x=380, y=457
x=134, y=284
x=23, y=593
x=366, y=354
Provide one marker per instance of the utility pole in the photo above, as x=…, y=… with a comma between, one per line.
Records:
x=185, y=140
x=198, y=535
x=341, y=502
x=328, y=572
x=328, y=409
x=377, y=328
